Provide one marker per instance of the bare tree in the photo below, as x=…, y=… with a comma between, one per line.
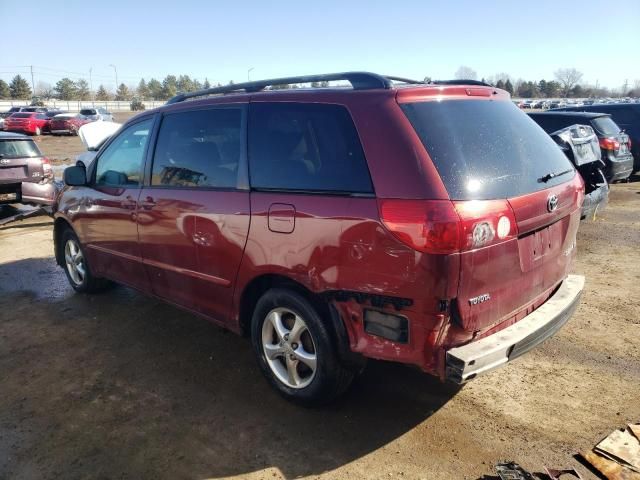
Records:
x=568, y=78
x=44, y=90
x=466, y=73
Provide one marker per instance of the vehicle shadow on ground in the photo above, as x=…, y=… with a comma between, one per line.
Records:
x=120, y=384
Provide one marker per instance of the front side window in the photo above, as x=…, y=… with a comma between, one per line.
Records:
x=199, y=148
x=121, y=162
x=305, y=147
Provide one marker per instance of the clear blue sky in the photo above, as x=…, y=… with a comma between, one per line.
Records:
x=221, y=40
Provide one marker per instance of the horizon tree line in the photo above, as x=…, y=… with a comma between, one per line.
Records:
x=566, y=83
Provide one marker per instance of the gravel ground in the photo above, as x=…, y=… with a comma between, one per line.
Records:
x=119, y=385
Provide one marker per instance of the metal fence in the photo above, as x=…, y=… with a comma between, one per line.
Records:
x=77, y=105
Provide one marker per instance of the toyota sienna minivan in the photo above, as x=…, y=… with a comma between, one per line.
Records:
x=428, y=224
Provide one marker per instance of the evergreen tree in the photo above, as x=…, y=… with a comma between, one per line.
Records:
x=65, y=89
x=508, y=86
x=142, y=91
x=102, y=94
x=4, y=89
x=500, y=84
x=19, y=88
x=155, y=89
x=169, y=87
x=122, y=93
x=82, y=90
x=206, y=83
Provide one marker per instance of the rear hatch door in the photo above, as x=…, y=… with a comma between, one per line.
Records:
x=20, y=161
x=488, y=150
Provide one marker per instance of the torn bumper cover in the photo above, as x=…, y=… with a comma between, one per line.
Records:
x=481, y=356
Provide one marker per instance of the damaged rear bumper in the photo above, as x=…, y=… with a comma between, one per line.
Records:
x=466, y=362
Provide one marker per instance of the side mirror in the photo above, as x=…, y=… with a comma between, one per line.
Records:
x=75, y=176
x=81, y=164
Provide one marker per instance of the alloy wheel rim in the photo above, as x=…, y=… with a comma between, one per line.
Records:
x=289, y=348
x=74, y=261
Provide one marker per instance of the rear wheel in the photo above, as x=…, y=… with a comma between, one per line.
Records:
x=77, y=268
x=296, y=350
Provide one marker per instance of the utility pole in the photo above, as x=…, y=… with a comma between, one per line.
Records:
x=91, y=87
x=249, y=74
x=33, y=85
x=116, y=72
x=625, y=87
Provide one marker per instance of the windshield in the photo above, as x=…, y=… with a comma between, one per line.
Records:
x=18, y=148
x=605, y=126
x=486, y=149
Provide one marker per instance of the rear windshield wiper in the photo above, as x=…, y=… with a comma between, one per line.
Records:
x=551, y=175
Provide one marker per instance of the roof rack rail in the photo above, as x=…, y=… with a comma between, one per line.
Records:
x=404, y=80
x=358, y=80
x=460, y=82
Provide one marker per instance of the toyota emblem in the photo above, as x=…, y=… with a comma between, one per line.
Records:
x=552, y=203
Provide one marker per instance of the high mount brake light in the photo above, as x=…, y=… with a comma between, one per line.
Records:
x=443, y=226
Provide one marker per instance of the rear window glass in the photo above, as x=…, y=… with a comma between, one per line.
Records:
x=305, y=147
x=22, y=115
x=605, y=126
x=486, y=149
x=87, y=112
x=18, y=148
x=198, y=148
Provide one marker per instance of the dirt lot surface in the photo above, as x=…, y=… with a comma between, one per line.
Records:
x=119, y=385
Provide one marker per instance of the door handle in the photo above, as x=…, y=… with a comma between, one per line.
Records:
x=128, y=203
x=148, y=203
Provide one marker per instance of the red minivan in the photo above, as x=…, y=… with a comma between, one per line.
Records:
x=428, y=224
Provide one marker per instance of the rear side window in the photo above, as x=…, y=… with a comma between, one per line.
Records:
x=198, y=148
x=18, y=148
x=22, y=115
x=605, y=126
x=486, y=150
x=305, y=147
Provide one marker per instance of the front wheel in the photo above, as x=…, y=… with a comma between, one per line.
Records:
x=77, y=268
x=296, y=349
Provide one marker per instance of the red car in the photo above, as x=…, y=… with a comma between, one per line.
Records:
x=32, y=123
x=428, y=224
x=67, y=123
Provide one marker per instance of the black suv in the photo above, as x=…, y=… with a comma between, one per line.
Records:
x=615, y=145
x=627, y=116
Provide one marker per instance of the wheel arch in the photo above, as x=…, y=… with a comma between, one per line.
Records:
x=60, y=224
x=259, y=285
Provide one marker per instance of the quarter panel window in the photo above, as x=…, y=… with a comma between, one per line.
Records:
x=121, y=162
x=308, y=147
x=198, y=148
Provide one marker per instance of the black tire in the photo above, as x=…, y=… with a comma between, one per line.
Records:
x=331, y=377
x=89, y=283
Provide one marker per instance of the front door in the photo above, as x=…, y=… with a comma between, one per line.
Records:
x=193, y=218
x=106, y=222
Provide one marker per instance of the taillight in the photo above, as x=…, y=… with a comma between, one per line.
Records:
x=46, y=168
x=609, y=144
x=485, y=222
x=429, y=226
x=442, y=226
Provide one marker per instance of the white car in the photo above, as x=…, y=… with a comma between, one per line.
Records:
x=97, y=114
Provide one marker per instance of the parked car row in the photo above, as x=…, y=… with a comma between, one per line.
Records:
x=39, y=120
x=545, y=104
